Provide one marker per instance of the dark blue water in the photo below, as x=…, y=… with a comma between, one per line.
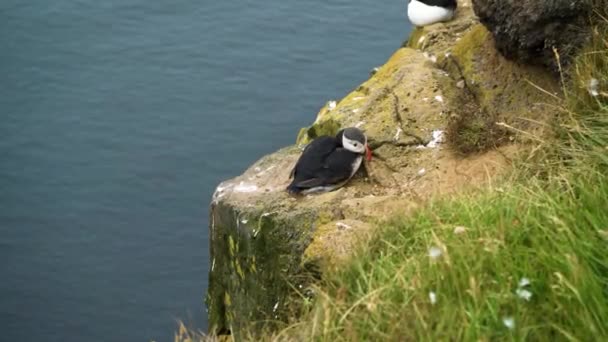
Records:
x=119, y=117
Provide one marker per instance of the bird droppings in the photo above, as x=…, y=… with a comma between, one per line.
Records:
x=421, y=172
x=435, y=252
x=343, y=226
x=398, y=134
x=331, y=105
x=433, y=297
x=437, y=139
x=260, y=173
x=439, y=98
x=244, y=187
x=220, y=191
x=430, y=57
x=509, y=322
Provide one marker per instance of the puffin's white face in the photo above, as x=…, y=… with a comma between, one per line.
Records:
x=354, y=145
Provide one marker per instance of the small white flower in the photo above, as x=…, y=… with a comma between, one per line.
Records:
x=460, y=230
x=509, y=322
x=524, y=294
x=593, y=85
x=433, y=297
x=524, y=282
x=435, y=252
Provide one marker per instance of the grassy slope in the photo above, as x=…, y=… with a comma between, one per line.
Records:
x=550, y=227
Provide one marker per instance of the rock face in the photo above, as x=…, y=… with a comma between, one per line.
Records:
x=528, y=30
x=265, y=244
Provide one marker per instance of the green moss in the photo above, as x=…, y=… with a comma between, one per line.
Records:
x=324, y=127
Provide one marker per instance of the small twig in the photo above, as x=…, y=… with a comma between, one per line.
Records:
x=376, y=144
x=397, y=118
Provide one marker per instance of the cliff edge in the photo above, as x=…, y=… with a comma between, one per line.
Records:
x=442, y=115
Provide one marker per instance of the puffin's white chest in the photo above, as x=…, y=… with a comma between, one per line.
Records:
x=421, y=14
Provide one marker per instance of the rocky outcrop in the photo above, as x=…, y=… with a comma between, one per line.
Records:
x=265, y=244
x=529, y=30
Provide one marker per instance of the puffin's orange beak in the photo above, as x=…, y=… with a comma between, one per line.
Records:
x=368, y=153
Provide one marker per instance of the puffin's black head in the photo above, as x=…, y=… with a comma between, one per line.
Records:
x=354, y=140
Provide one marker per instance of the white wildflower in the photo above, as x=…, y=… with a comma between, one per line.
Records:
x=524, y=294
x=524, y=282
x=593, y=87
x=460, y=230
x=509, y=322
x=435, y=252
x=433, y=297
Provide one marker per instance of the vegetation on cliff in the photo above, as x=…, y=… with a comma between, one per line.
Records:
x=524, y=259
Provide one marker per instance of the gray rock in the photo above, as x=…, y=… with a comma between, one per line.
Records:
x=528, y=30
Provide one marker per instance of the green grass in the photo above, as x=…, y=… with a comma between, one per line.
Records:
x=553, y=236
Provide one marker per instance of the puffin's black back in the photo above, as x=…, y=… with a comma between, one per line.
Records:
x=440, y=3
x=323, y=162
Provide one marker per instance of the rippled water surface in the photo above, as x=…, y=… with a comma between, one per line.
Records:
x=118, y=120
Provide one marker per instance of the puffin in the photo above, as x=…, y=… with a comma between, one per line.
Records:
x=327, y=163
x=427, y=12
